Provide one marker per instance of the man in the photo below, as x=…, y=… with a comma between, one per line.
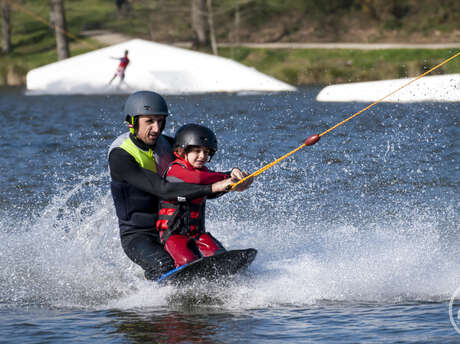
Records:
x=137, y=160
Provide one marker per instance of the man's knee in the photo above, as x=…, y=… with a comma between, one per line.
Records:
x=151, y=256
x=161, y=265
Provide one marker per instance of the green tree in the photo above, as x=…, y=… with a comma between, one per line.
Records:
x=6, y=26
x=58, y=18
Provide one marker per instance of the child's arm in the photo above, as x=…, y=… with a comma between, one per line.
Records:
x=194, y=177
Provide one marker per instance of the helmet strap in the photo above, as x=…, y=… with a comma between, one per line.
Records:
x=131, y=123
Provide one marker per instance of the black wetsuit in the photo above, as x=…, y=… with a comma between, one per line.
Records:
x=136, y=192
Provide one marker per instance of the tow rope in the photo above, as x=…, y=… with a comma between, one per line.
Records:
x=315, y=138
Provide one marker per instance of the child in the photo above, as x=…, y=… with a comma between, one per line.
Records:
x=181, y=224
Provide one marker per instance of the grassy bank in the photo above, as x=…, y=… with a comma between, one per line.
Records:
x=325, y=66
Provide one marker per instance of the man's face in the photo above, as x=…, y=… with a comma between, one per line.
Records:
x=149, y=128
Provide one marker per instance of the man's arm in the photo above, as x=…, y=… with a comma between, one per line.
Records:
x=123, y=167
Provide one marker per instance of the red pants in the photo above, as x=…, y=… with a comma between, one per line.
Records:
x=184, y=249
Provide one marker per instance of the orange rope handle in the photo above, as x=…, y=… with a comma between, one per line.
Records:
x=266, y=167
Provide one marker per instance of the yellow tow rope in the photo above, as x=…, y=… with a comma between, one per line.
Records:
x=315, y=138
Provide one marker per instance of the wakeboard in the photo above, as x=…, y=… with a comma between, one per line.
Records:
x=211, y=268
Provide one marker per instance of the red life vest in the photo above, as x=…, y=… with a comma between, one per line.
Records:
x=185, y=218
x=123, y=62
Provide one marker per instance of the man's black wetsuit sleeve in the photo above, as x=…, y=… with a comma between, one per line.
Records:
x=124, y=168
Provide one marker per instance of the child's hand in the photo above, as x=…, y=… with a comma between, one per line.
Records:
x=237, y=175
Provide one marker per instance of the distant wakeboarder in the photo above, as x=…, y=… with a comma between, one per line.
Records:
x=120, y=72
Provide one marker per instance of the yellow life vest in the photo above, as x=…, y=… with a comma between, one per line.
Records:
x=144, y=158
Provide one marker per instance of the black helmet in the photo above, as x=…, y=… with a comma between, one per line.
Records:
x=195, y=135
x=144, y=103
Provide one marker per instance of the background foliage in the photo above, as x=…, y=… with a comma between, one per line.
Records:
x=365, y=21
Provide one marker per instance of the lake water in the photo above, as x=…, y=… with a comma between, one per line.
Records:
x=357, y=235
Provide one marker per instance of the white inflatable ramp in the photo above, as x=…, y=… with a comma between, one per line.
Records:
x=153, y=66
x=438, y=88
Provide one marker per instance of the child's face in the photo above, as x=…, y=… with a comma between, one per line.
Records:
x=197, y=156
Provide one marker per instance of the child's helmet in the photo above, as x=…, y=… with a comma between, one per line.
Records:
x=195, y=135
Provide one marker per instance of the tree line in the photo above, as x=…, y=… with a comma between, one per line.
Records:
x=211, y=20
